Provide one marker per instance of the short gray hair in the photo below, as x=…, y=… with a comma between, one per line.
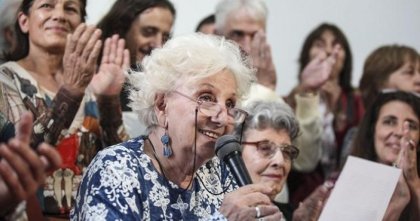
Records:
x=182, y=60
x=257, y=9
x=8, y=12
x=270, y=114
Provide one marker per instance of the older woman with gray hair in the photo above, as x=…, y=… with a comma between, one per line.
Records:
x=267, y=136
x=187, y=97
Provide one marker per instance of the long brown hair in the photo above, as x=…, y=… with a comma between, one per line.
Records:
x=304, y=58
x=363, y=145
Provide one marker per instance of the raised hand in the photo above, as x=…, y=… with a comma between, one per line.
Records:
x=79, y=62
x=318, y=70
x=241, y=204
x=262, y=60
x=407, y=191
x=115, y=62
x=310, y=209
x=407, y=159
x=22, y=170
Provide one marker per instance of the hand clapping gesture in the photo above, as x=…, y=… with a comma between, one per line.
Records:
x=79, y=62
x=22, y=169
x=262, y=60
x=318, y=71
x=310, y=209
x=111, y=75
x=407, y=191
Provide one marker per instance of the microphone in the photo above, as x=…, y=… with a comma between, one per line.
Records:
x=228, y=150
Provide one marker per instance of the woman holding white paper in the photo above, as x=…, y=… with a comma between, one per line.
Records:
x=389, y=133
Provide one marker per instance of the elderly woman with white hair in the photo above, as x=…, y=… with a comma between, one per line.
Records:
x=187, y=97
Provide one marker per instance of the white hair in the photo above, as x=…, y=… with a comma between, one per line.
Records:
x=269, y=114
x=257, y=9
x=8, y=12
x=182, y=60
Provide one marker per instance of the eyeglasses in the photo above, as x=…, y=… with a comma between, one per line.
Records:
x=212, y=109
x=268, y=149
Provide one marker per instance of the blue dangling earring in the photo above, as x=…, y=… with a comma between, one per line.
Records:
x=167, y=150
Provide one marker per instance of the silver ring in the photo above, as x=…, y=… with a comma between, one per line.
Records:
x=260, y=219
x=257, y=209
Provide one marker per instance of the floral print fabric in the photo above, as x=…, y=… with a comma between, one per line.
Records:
x=122, y=184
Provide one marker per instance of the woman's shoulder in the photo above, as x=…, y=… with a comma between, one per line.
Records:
x=132, y=148
x=127, y=155
x=13, y=66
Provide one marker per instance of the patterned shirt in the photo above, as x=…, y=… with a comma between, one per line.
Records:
x=121, y=183
x=77, y=125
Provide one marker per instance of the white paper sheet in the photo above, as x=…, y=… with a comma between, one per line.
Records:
x=362, y=192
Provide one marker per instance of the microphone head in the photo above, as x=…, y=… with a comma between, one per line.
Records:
x=225, y=145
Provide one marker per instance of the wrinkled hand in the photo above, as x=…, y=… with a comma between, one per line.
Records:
x=310, y=209
x=115, y=61
x=22, y=170
x=240, y=204
x=318, y=70
x=407, y=189
x=262, y=60
x=80, y=56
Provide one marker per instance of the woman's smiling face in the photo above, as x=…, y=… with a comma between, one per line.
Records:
x=181, y=113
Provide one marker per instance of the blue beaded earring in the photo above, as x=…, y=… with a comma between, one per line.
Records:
x=167, y=150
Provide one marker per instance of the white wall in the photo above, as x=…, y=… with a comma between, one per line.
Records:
x=366, y=23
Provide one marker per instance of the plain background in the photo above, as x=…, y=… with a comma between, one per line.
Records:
x=367, y=24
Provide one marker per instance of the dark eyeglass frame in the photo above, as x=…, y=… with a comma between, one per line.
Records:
x=292, y=154
x=230, y=111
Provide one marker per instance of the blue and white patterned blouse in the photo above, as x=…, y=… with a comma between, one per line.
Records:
x=121, y=183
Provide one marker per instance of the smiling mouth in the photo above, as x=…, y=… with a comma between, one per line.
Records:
x=209, y=133
x=275, y=177
x=58, y=29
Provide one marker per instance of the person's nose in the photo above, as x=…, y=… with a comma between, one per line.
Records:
x=222, y=117
x=329, y=49
x=58, y=13
x=157, y=41
x=245, y=44
x=278, y=159
x=398, y=131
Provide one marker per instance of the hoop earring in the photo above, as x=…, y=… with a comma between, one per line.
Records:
x=167, y=150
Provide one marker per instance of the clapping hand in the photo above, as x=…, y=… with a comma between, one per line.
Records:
x=79, y=62
x=408, y=186
x=317, y=72
x=262, y=60
x=22, y=169
x=407, y=159
x=310, y=209
x=115, y=62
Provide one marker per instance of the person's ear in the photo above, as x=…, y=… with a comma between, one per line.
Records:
x=160, y=109
x=23, y=22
